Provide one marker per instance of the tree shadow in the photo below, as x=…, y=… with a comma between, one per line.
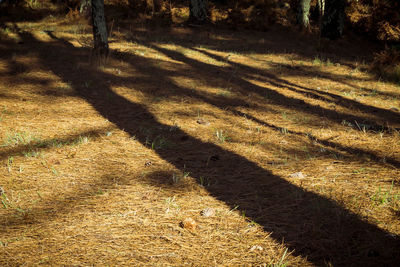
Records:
x=381, y=114
x=239, y=44
x=355, y=153
x=311, y=225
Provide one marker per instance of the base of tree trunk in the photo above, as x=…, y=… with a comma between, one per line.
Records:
x=99, y=56
x=100, y=37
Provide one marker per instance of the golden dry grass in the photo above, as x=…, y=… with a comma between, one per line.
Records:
x=101, y=166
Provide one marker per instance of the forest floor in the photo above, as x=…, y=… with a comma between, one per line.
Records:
x=195, y=146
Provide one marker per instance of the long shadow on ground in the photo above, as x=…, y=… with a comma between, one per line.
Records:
x=314, y=226
x=280, y=99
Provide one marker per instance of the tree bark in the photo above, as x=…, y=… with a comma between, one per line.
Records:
x=198, y=11
x=333, y=20
x=303, y=15
x=85, y=8
x=100, y=38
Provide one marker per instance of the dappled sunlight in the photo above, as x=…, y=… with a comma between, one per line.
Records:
x=176, y=123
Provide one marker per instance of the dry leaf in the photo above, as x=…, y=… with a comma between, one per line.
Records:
x=297, y=175
x=208, y=212
x=202, y=121
x=256, y=247
x=54, y=161
x=189, y=224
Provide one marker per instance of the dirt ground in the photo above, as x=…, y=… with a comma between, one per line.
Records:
x=195, y=146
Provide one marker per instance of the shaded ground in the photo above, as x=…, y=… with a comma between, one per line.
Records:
x=101, y=165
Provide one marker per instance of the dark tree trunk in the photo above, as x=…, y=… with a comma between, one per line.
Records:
x=85, y=8
x=198, y=11
x=333, y=20
x=303, y=15
x=321, y=13
x=100, y=49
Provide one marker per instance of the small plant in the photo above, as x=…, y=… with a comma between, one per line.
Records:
x=360, y=170
x=285, y=116
x=57, y=143
x=146, y=131
x=7, y=203
x=176, y=178
x=31, y=153
x=174, y=128
x=317, y=61
x=281, y=262
x=159, y=143
x=221, y=136
x=33, y=3
x=205, y=181
x=10, y=161
x=373, y=92
x=284, y=130
x=170, y=201
x=53, y=170
x=81, y=140
x=348, y=94
x=347, y=123
x=5, y=111
x=100, y=192
x=87, y=84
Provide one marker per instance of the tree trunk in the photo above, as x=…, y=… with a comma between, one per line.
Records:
x=85, y=8
x=100, y=48
x=198, y=11
x=333, y=20
x=303, y=15
x=321, y=12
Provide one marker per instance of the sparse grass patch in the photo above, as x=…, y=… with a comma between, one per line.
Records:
x=81, y=140
x=177, y=178
x=281, y=262
x=18, y=138
x=12, y=203
x=204, y=181
x=387, y=197
x=171, y=204
x=77, y=29
x=159, y=142
x=317, y=61
x=321, y=61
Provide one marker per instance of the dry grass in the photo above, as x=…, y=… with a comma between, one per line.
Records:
x=100, y=166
